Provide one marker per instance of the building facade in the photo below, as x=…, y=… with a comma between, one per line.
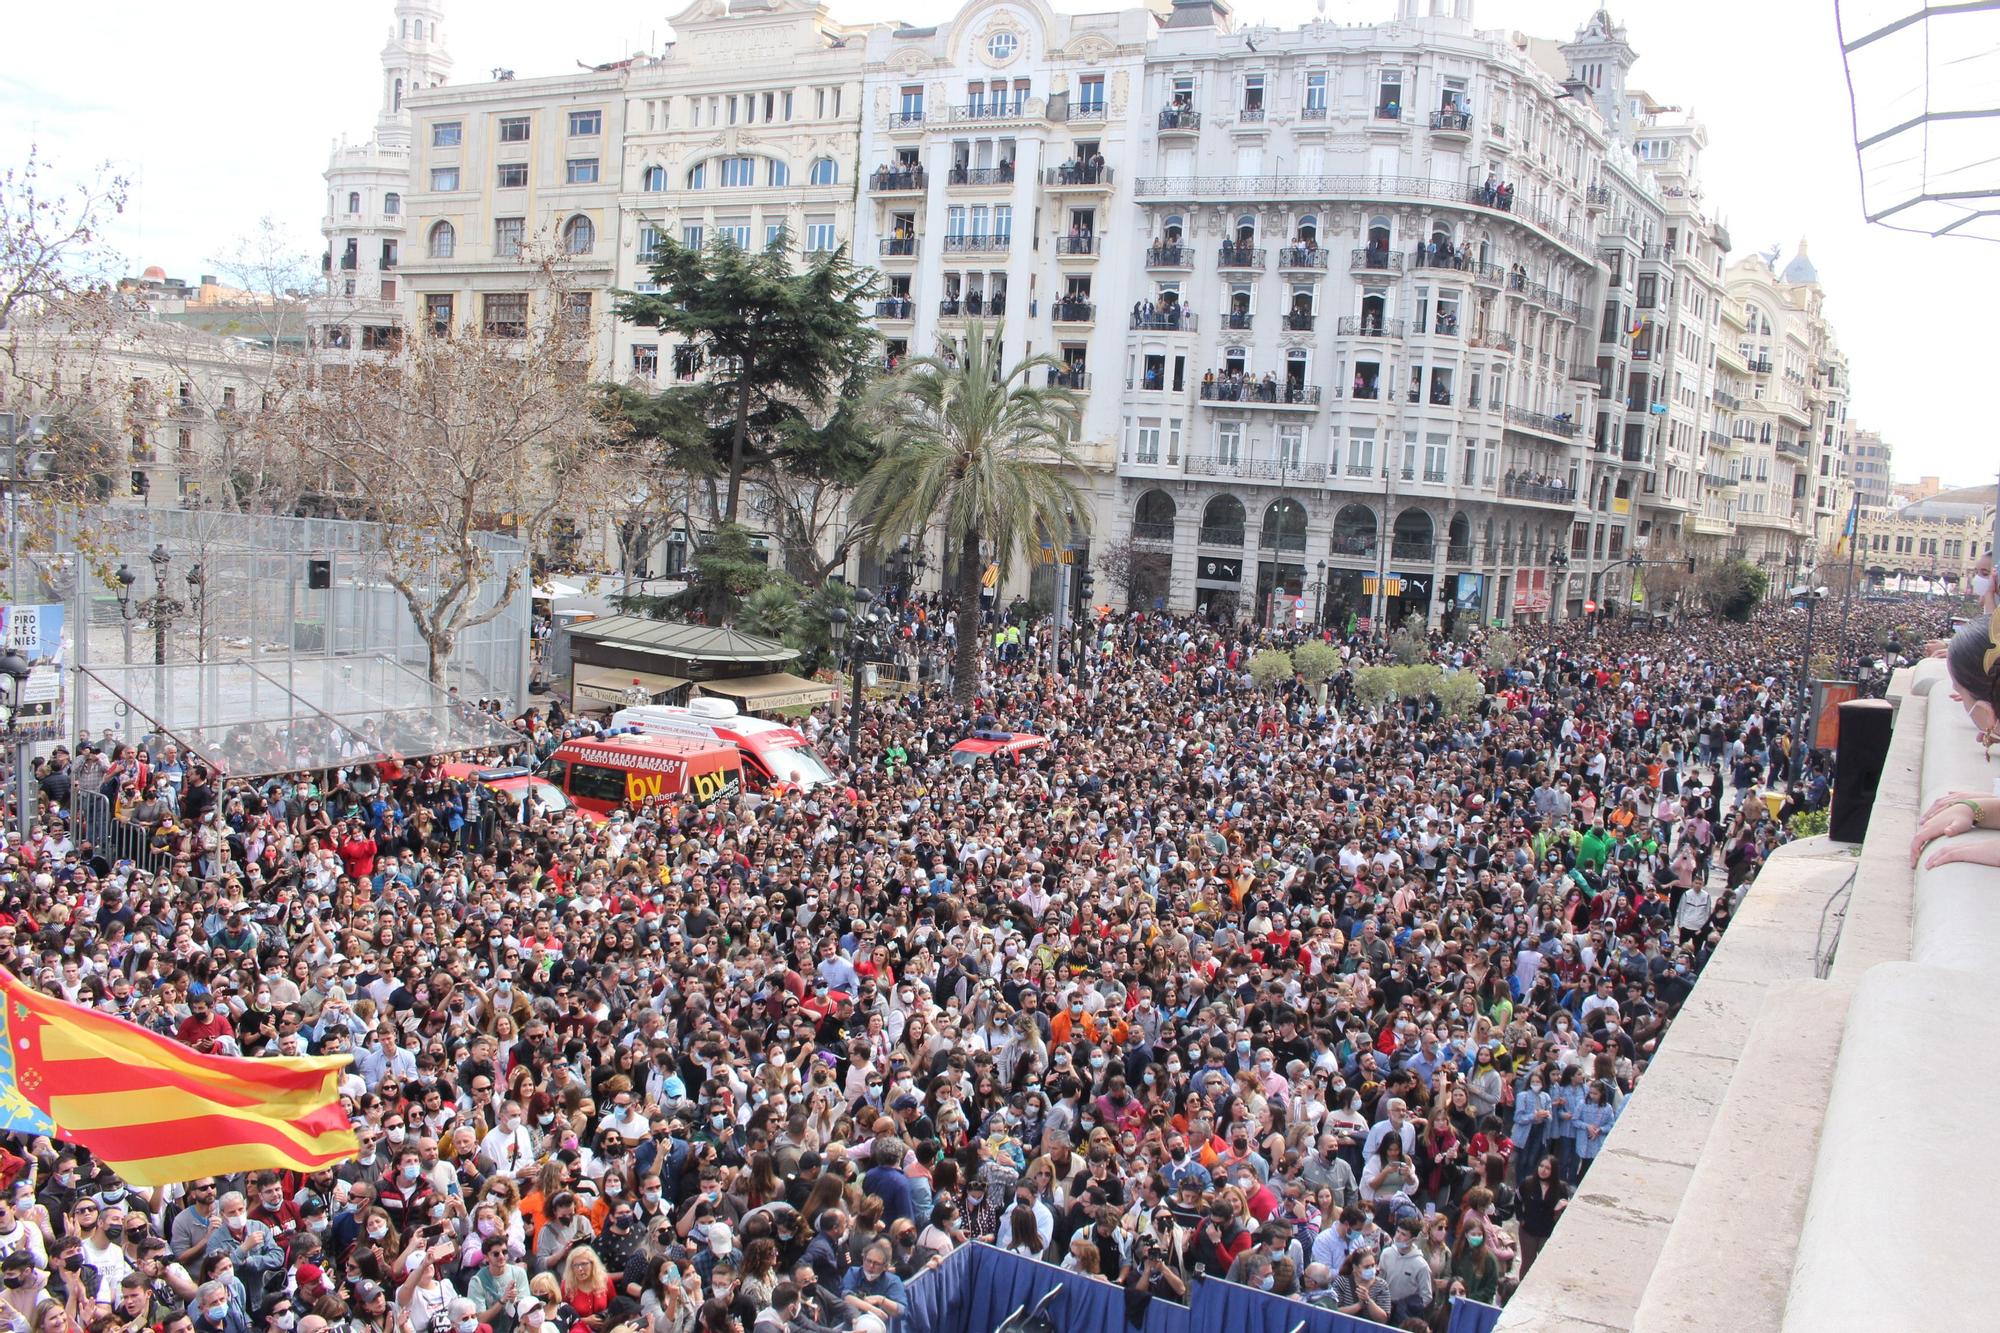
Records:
x=1936, y=539
x=360, y=309
x=1354, y=367
x=1874, y=471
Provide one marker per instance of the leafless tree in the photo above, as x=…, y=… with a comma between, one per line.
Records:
x=476, y=430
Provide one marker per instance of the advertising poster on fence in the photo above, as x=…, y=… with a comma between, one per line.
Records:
x=36, y=633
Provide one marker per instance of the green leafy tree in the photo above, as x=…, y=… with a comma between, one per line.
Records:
x=1417, y=680
x=781, y=341
x=1271, y=666
x=1375, y=687
x=1459, y=693
x=1501, y=648
x=1734, y=589
x=979, y=449
x=1408, y=644
x=1315, y=660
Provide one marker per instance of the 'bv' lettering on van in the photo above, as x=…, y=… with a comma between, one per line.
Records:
x=643, y=786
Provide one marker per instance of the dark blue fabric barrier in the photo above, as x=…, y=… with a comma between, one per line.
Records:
x=978, y=1287
x=1472, y=1316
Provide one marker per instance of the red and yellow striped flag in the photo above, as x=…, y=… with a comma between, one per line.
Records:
x=155, y=1110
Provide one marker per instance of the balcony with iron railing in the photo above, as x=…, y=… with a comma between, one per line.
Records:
x=1067, y=311
x=1391, y=112
x=1239, y=256
x=899, y=247
x=1760, y=366
x=981, y=176
x=1082, y=244
x=1299, y=321
x=1313, y=111
x=1250, y=115
x=1445, y=326
x=1170, y=256
x=1378, y=258
x=1597, y=196
x=1152, y=532
x=898, y=180
x=1217, y=536
x=1259, y=393
x=978, y=243
x=1352, y=545
x=1167, y=319
x=1071, y=377
x=1522, y=486
x=1239, y=321
x=1089, y=109
x=1257, y=188
x=1363, y=326
x=1452, y=122
x=1075, y=175
x=1561, y=424
x=1412, y=548
x=1302, y=256
x=895, y=307
x=1179, y=120
x=972, y=307
x=1498, y=342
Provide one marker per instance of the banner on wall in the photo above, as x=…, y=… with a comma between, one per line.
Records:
x=36, y=632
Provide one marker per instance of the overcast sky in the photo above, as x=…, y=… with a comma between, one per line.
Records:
x=222, y=112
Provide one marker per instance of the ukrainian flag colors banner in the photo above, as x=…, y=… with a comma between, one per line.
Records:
x=154, y=1110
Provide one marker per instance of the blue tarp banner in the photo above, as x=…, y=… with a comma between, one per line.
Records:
x=977, y=1287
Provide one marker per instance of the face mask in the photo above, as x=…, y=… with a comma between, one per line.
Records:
x=1243, y=1048
x=467, y=1325
x=1268, y=1282
x=1404, y=1246
x=215, y=1314
x=545, y=1120
x=17, y=1280
x=719, y=1122
x=412, y=1171
x=1475, y=1239
x=377, y=1230
x=287, y=1320
x=317, y=1226
x=237, y=1225
x=652, y=1198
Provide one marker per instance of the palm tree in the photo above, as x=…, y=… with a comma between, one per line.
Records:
x=982, y=451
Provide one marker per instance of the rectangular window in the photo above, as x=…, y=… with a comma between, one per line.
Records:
x=738, y=171
x=646, y=359
x=1149, y=442
x=650, y=239
x=388, y=289
x=737, y=233
x=820, y=237
x=1090, y=94
x=437, y=311
x=1229, y=442
x=514, y=129
x=506, y=314
x=1315, y=93
x=512, y=176
x=691, y=235
x=583, y=123
x=581, y=171
x=576, y=308
x=773, y=233
x=1291, y=446
x=444, y=179
x=1360, y=453
x=508, y=234
x=446, y=134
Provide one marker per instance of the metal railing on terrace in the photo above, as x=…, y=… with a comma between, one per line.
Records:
x=1279, y=186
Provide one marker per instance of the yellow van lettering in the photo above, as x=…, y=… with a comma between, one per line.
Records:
x=642, y=786
x=707, y=786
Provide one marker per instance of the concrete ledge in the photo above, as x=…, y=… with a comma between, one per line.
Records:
x=1877, y=925
x=1957, y=907
x=1763, y=1146
x=1892, y=1236
x=1595, y=1269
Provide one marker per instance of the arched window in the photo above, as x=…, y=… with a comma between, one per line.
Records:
x=1153, y=517
x=1413, y=535
x=780, y=173
x=579, y=235
x=1222, y=521
x=1378, y=233
x=444, y=241
x=1354, y=530
x=825, y=171
x=1172, y=229
x=354, y=201
x=1246, y=229
x=399, y=95
x=1284, y=526
x=698, y=176
x=392, y=203
x=653, y=180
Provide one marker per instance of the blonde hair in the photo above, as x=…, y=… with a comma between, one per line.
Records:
x=597, y=1278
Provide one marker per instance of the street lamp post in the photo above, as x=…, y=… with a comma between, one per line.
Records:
x=1319, y=597
x=853, y=628
x=1811, y=595
x=14, y=673
x=159, y=612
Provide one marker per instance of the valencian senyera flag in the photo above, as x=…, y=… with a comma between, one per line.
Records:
x=152, y=1109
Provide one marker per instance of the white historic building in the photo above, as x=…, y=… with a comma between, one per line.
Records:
x=1356, y=357
x=368, y=188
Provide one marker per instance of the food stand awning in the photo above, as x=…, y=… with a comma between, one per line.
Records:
x=593, y=685
x=779, y=689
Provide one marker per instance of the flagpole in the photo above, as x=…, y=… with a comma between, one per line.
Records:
x=1847, y=598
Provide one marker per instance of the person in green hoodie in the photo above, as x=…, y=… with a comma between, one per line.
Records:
x=1593, y=849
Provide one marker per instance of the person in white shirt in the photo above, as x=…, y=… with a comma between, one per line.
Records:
x=18, y=1234
x=508, y=1146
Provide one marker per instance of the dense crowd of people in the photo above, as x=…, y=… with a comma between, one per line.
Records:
x=1225, y=983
